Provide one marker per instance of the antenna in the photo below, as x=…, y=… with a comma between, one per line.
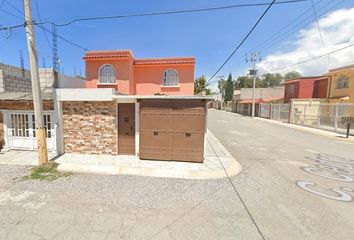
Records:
x=55, y=49
x=22, y=63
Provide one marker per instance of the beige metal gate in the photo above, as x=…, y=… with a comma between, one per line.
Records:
x=172, y=130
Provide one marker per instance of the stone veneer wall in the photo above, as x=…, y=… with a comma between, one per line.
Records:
x=90, y=127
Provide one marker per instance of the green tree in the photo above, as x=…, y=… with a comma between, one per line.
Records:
x=246, y=82
x=200, y=85
x=271, y=79
x=229, y=89
x=291, y=75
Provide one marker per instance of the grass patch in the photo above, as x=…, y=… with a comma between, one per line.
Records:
x=46, y=172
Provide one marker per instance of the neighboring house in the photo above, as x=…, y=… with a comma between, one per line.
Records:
x=242, y=100
x=150, y=76
x=305, y=87
x=17, y=123
x=341, y=84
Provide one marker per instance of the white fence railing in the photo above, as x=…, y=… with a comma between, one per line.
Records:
x=325, y=116
x=277, y=111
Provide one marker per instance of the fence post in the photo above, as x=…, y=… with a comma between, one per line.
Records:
x=336, y=118
x=259, y=110
x=318, y=116
x=305, y=106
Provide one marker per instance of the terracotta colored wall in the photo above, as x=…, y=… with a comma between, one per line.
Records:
x=306, y=88
x=320, y=88
x=287, y=96
x=24, y=105
x=124, y=74
x=149, y=80
x=90, y=127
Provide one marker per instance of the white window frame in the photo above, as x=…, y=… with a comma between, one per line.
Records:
x=170, y=81
x=342, y=82
x=106, y=79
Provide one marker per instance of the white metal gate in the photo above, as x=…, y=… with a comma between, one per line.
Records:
x=21, y=130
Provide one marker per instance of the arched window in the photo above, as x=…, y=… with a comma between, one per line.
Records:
x=107, y=74
x=170, y=78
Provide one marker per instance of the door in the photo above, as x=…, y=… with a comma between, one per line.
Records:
x=172, y=130
x=22, y=130
x=126, y=129
x=155, y=141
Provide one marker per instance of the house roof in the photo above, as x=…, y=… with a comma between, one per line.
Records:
x=342, y=68
x=123, y=54
x=24, y=96
x=108, y=54
x=305, y=78
x=161, y=61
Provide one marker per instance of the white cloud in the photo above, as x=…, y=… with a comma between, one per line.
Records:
x=337, y=29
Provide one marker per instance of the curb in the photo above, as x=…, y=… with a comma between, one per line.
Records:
x=232, y=167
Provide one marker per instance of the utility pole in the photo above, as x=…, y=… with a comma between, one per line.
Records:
x=36, y=89
x=254, y=57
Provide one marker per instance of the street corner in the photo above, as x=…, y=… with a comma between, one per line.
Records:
x=218, y=163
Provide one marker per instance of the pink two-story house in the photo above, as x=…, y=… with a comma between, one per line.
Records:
x=150, y=76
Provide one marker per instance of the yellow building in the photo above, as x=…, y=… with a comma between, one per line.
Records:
x=341, y=84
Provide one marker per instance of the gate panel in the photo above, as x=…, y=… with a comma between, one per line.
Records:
x=172, y=130
x=188, y=146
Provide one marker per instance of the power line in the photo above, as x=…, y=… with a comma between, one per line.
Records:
x=172, y=12
x=267, y=44
x=244, y=39
x=318, y=26
x=308, y=60
x=45, y=29
x=40, y=19
x=2, y=3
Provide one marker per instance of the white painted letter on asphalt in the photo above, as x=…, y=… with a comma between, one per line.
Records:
x=343, y=196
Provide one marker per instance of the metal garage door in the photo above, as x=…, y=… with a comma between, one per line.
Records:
x=172, y=130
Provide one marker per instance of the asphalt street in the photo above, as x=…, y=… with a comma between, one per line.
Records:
x=295, y=184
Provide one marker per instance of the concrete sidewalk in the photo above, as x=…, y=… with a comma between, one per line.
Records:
x=216, y=159
x=310, y=129
x=21, y=157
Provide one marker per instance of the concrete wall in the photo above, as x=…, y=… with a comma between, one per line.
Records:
x=90, y=127
x=14, y=79
x=261, y=93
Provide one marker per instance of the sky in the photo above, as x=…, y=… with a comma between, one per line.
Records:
x=288, y=34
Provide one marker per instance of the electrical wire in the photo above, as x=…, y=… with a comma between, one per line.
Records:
x=241, y=43
x=45, y=29
x=171, y=12
x=318, y=26
x=267, y=44
x=308, y=60
x=40, y=19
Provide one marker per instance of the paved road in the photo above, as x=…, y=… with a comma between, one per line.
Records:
x=267, y=202
x=295, y=184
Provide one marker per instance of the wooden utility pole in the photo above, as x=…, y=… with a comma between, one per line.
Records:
x=36, y=88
